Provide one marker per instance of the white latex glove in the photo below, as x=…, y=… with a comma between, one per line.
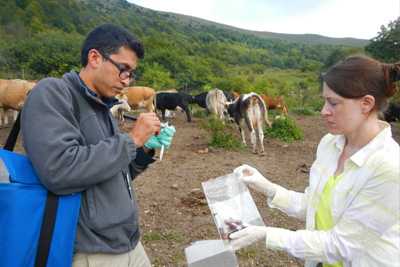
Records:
x=247, y=236
x=253, y=178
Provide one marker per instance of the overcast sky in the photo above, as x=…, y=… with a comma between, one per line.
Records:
x=334, y=18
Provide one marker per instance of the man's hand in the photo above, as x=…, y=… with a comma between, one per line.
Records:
x=247, y=236
x=147, y=124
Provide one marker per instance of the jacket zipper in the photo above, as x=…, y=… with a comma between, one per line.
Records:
x=128, y=184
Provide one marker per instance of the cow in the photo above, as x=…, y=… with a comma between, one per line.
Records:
x=216, y=102
x=140, y=97
x=118, y=109
x=200, y=99
x=392, y=113
x=230, y=96
x=251, y=109
x=275, y=103
x=12, y=97
x=235, y=95
x=171, y=101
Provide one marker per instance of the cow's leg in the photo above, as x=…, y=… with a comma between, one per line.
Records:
x=241, y=130
x=121, y=116
x=5, y=117
x=253, y=139
x=1, y=116
x=15, y=115
x=163, y=114
x=261, y=137
x=187, y=111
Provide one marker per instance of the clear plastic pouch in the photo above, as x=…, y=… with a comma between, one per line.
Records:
x=231, y=204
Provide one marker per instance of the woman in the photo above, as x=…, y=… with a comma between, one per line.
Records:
x=352, y=203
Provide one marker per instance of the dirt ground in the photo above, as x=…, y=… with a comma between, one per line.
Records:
x=173, y=211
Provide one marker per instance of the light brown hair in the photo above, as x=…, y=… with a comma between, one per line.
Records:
x=357, y=76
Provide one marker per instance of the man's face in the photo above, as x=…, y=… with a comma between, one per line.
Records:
x=112, y=74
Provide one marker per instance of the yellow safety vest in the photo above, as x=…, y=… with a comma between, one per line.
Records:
x=323, y=216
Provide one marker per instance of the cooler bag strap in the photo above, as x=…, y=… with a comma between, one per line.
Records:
x=50, y=211
x=46, y=231
x=12, y=137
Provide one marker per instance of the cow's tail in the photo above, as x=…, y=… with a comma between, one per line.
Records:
x=264, y=109
x=155, y=102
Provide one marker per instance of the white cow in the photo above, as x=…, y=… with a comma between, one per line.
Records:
x=118, y=110
x=216, y=102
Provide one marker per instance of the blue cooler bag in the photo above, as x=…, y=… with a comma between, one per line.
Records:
x=37, y=228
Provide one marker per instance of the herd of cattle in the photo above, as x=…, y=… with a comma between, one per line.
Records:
x=245, y=109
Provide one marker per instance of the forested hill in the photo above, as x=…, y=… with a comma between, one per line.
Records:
x=296, y=38
x=43, y=37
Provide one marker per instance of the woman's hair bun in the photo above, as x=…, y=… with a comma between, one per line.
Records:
x=392, y=75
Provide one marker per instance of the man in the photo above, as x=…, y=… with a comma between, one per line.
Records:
x=75, y=146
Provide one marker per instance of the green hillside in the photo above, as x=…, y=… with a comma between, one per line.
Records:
x=43, y=37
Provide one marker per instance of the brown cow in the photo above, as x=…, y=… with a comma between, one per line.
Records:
x=275, y=103
x=140, y=97
x=12, y=97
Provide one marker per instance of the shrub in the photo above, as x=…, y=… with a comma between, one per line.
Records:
x=199, y=112
x=221, y=136
x=285, y=129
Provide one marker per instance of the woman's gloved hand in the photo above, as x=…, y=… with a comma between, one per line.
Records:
x=247, y=236
x=253, y=178
x=164, y=138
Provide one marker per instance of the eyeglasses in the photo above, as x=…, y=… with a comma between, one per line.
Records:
x=124, y=72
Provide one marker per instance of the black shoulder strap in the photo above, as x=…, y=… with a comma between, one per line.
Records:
x=13, y=135
x=50, y=211
x=46, y=231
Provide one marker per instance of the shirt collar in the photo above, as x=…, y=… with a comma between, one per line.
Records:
x=362, y=155
x=108, y=102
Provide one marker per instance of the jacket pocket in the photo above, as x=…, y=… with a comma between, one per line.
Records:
x=111, y=207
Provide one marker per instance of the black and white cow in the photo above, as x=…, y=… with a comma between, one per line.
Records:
x=250, y=109
x=229, y=96
x=171, y=101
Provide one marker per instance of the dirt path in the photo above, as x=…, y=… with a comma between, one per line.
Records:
x=173, y=210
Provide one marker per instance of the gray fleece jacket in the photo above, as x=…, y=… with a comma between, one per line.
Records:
x=80, y=149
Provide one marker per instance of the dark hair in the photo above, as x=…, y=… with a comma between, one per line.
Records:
x=357, y=76
x=108, y=39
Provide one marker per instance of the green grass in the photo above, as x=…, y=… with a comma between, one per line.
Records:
x=199, y=113
x=247, y=253
x=285, y=129
x=305, y=111
x=165, y=236
x=221, y=136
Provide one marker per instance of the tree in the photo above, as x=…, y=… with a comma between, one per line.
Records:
x=386, y=46
x=339, y=54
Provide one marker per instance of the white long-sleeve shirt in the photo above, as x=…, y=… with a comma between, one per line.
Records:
x=365, y=207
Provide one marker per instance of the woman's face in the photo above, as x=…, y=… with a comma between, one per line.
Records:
x=341, y=115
